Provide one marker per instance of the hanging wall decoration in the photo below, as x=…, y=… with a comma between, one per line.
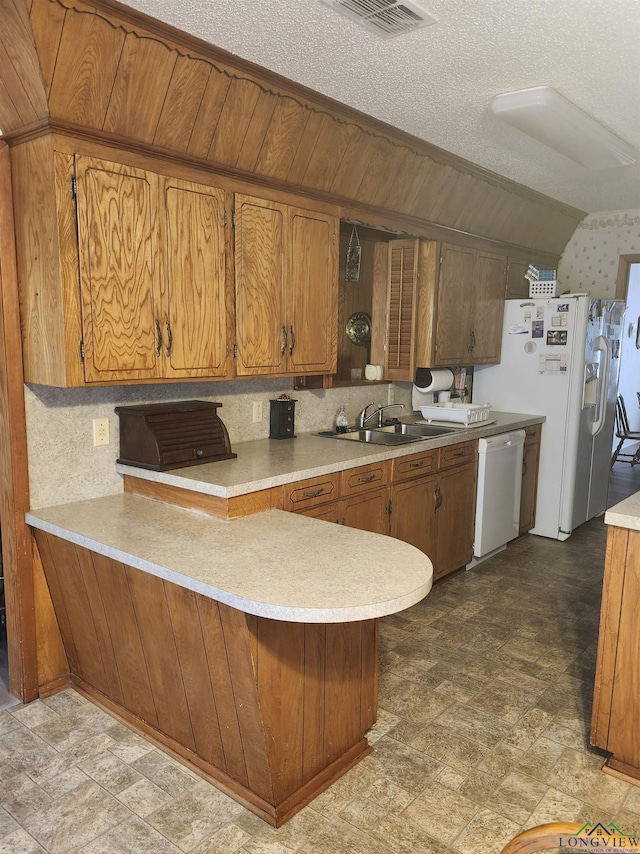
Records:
x=353, y=257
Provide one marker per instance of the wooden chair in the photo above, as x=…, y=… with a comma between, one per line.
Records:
x=623, y=434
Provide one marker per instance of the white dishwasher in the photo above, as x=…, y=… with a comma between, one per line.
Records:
x=498, y=493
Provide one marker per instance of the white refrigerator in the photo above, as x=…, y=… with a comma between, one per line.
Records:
x=560, y=358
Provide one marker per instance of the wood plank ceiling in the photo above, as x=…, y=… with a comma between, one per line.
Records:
x=125, y=78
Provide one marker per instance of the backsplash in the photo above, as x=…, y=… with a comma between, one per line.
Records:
x=64, y=466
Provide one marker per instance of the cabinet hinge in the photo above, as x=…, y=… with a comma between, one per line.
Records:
x=233, y=219
x=225, y=218
x=235, y=351
x=390, y=507
x=440, y=261
x=81, y=350
x=74, y=187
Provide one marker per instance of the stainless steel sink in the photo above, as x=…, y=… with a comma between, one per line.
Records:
x=372, y=437
x=420, y=431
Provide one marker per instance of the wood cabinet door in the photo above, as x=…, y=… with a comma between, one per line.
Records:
x=194, y=327
x=328, y=513
x=402, y=280
x=413, y=514
x=119, y=276
x=529, y=492
x=517, y=285
x=455, y=300
x=368, y=511
x=455, y=518
x=311, y=310
x=488, y=308
x=261, y=331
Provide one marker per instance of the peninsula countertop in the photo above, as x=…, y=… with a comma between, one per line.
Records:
x=265, y=463
x=273, y=564
x=626, y=514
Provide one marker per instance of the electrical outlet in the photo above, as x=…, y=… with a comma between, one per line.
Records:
x=257, y=411
x=100, y=431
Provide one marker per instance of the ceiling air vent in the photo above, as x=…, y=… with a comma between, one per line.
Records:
x=387, y=18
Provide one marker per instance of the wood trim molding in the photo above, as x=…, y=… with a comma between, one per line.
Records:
x=235, y=66
x=14, y=482
x=622, y=280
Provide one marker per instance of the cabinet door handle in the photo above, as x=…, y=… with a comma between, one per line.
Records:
x=472, y=340
x=416, y=465
x=458, y=454
x=293, y=340
x=169, y=339
x=314, y=494
x=284, y=340
x=438, y=497
x=524, y=467
x=366, y=478
x=158, y=338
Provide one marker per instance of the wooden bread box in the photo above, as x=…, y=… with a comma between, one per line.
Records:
x=163, y=436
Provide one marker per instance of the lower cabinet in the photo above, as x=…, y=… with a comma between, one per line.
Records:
x=530, y=461
x=425, y=499
x=616, y=700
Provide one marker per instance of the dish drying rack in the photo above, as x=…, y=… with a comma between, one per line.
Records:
x=461, y=413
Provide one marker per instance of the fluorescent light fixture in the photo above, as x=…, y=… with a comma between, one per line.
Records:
x=548, y=117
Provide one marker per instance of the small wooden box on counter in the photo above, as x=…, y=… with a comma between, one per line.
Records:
x=164, y=436
x=282, y=418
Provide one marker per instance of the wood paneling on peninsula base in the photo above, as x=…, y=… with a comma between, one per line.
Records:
x=615, y=724
x=272, y=712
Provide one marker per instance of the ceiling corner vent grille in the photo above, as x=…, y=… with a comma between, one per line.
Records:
x=386, y=18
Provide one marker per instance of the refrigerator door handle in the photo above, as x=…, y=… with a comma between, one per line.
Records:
x=603, y=345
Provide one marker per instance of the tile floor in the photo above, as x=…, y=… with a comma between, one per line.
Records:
x=485, y=700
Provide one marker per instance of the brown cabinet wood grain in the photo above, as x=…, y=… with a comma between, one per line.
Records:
x=286, y=289
x=471, y=295
x=616, y=701
x=152, y=273
x=529, y=492
x=426, y=499
x=439, y=305
x=270, y=711
x=148, y=253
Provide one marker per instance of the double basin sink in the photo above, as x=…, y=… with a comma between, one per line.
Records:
x=393, y=434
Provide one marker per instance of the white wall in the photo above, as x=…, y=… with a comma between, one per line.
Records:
x=589, y=263
x=64, y=466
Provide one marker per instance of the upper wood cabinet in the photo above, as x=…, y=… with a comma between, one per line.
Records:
x=126, y=281
x=435, y=306
x=151, y=273
x=286, y=263
x=404, y=293
x=470, y=306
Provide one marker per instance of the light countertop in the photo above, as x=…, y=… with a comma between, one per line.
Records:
x=266, y=463
x=626, y=514
x=273, y=564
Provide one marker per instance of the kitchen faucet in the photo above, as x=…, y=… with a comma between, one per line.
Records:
x=363, y=417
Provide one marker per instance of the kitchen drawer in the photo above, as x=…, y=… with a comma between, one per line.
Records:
x=454, y=455
x=417, y=464
x=311, y=492
x=363, y=478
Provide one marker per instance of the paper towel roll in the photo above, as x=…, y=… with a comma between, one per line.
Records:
x=434, y=380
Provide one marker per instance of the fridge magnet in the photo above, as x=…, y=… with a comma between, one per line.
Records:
x=563, y=306
x=540, y=312
x=537, y=328
x=559, y=320
x=557, y=338
x=354, y=251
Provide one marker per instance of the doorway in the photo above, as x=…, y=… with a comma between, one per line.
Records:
x=624, y=479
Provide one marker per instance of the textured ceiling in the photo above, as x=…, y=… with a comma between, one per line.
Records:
x=437, y=82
